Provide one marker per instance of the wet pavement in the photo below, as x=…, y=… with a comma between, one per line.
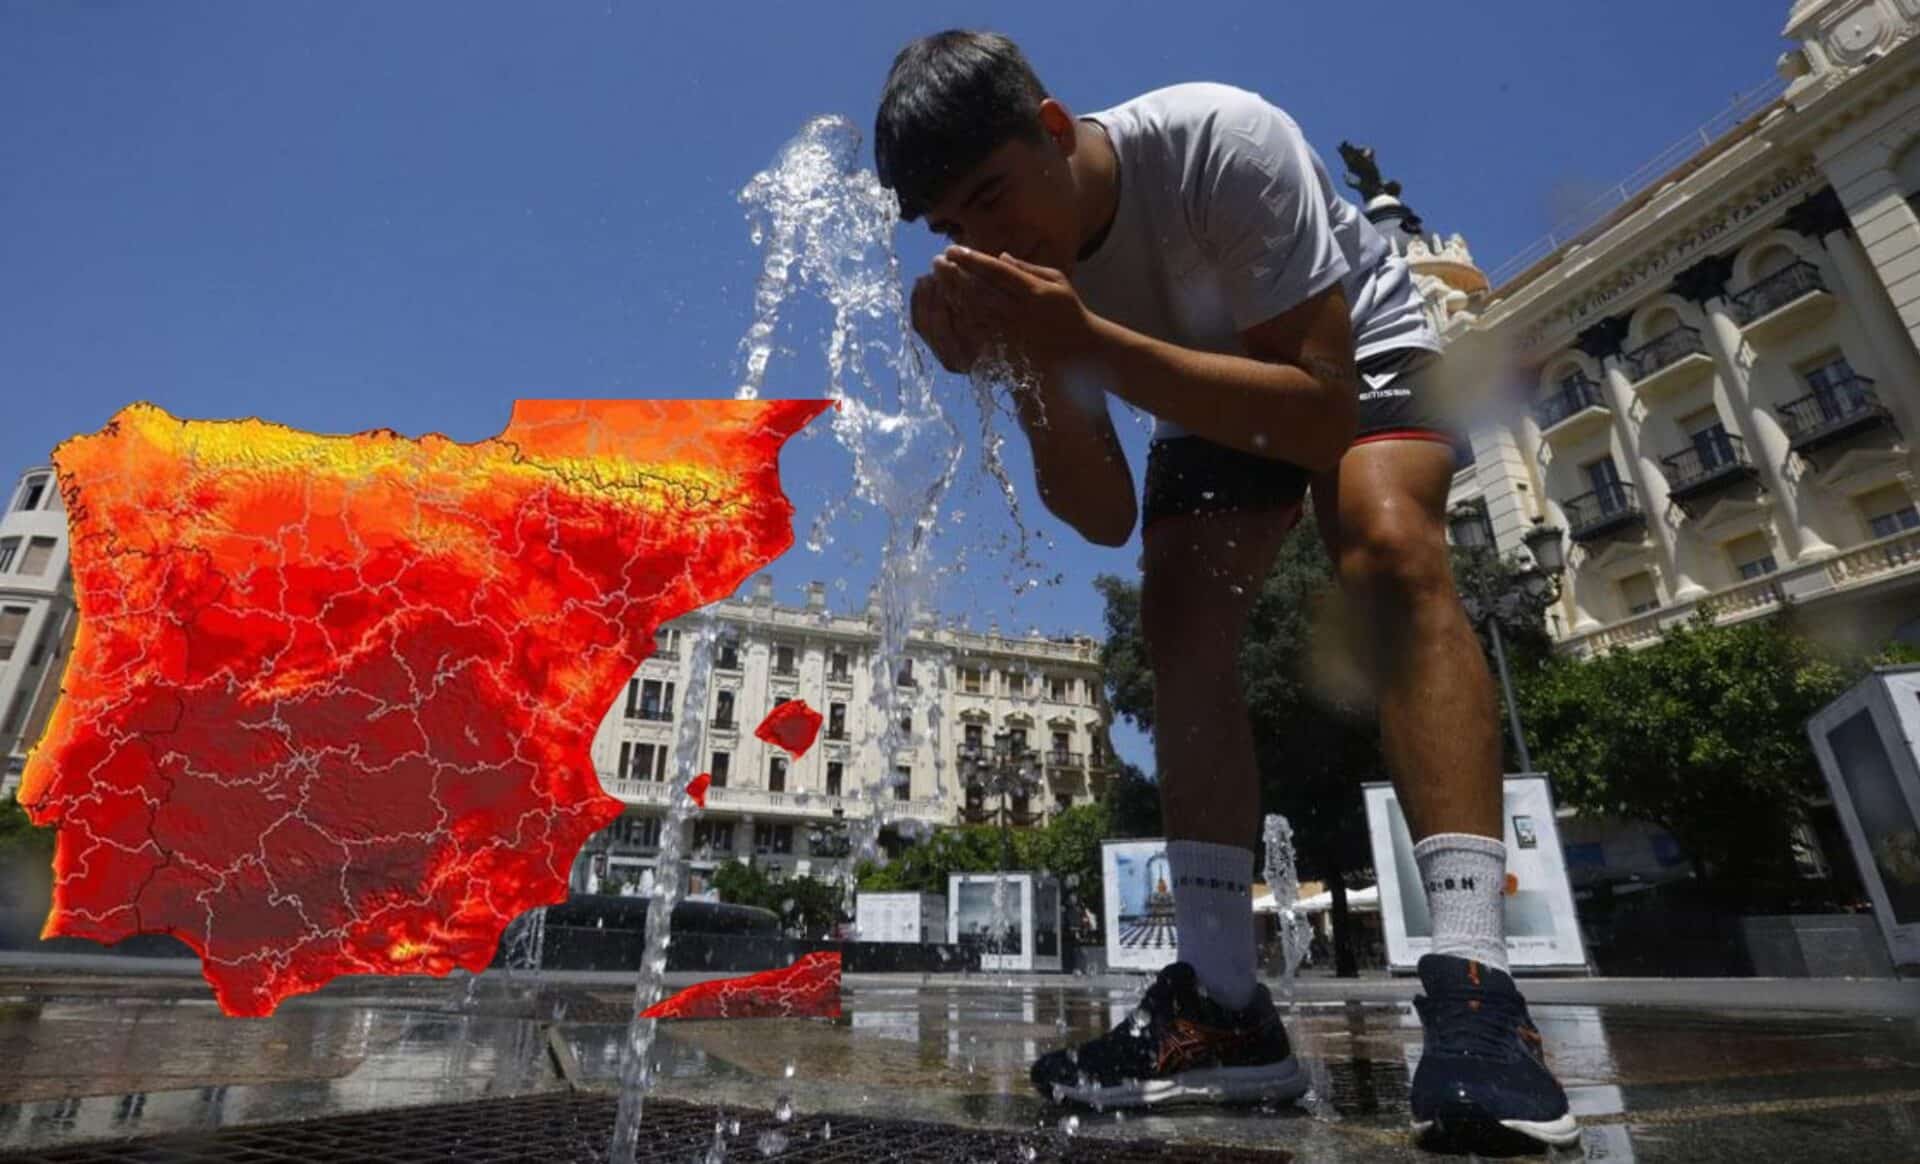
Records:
x=89, y=1057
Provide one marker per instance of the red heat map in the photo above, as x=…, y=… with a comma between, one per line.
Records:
x=793, y=726
x=330, y=703
x=810, y=988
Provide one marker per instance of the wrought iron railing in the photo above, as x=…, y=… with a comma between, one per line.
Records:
x=1829, y=408
x=1663, y=351
x=1060, y=758
x=1714, y=457
x=1776, y=291
x=1576, y=395
x=1593, y=513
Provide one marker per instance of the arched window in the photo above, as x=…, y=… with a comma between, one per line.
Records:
x=1772, y=261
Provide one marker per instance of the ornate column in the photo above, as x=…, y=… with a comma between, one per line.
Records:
x=1603, y=341
x=1705, y=283
x=1576, y=594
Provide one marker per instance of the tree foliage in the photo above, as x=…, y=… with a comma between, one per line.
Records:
x=1067, y=847
x=1702, y=734
x=808, y=908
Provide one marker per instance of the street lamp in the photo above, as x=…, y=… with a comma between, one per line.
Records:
x=1492, y=596
x=1004, y=771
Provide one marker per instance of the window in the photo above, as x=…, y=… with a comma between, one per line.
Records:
x=906, y=725
x=1019, y=802
x=1828, y=374
x=656, y=699
x=1059, y=689
x=1063, y=801
x=1708, y=436
x=728, y=652
x=838, y=669
x=777, y=774
x=1016, y=683
x=1907, y=169
x=973, y=736
x=836, y=774
x=1017, y=740
x=633, y=698
x=902, y=782
x=905, y=677
x=1752, y=556
x=1094, y=752
x=836, y=721
x=783, y=661
x=723, y=710
x=721, y=766
x=32, y=492
x=970, y=680
x=666, y=644
x=1887, y=511
x=713, y=836
x=1638, y=594
x=772, y=838
x=16, y=712
x=636, y=832
x=650, y=762
x=626, y=759
x=1062, y=745
x=9, y=548
x=781, y=700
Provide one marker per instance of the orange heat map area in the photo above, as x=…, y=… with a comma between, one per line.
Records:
x=331, y=698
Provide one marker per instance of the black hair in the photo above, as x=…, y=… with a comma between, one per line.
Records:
x=951, y=99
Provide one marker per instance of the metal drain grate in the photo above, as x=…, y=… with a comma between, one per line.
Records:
x=569, y=1127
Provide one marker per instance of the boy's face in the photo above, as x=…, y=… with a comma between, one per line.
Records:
x=1020, y=200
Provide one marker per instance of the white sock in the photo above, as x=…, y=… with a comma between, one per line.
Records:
x=1466, y=877
x=1213, y=914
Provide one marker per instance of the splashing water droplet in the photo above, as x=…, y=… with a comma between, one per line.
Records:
x=771, y=1143
x=1070, y=1125
x=788, y=1069
x=783, y=1110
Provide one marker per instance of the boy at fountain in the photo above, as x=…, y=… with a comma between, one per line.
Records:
x=1186, y=251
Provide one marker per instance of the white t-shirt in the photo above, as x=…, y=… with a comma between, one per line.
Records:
x=1226, y=219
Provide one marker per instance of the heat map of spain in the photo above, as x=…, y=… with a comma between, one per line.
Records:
x=329, y=705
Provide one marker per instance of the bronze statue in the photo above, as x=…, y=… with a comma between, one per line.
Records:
x=1363, y=173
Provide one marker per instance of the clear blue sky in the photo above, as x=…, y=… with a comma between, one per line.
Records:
x=348, y=215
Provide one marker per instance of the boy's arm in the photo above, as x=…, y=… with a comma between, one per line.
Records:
x=1079, y=466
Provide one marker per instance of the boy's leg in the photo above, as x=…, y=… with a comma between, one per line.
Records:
x=1382, y=513
x=1200, y=576
x=1213, y=520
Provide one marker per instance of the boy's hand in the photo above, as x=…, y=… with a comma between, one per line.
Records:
x=1033, y=308
x=956, y=339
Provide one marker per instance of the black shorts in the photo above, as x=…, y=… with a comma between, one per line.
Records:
x=1190, y=474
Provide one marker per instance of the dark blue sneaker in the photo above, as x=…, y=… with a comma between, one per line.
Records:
x=1178, y=1046
x=1482, y=1070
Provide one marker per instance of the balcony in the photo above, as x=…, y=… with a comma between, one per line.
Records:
x=727, y=660
x=785, y=670
x=652, y=714
x=1884, y=562
x=1833, y=413
x=1712, y=465
x=836, y=733
x=1669, y=362
x=1064, y=759
x=1572, y=412
x=1605, y=511
x=842, y=677
x=1782, y=303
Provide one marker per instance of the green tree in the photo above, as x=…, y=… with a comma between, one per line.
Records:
x=26, y=874
x=1702, y=734
x=1068, y=847
x=807, y=907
